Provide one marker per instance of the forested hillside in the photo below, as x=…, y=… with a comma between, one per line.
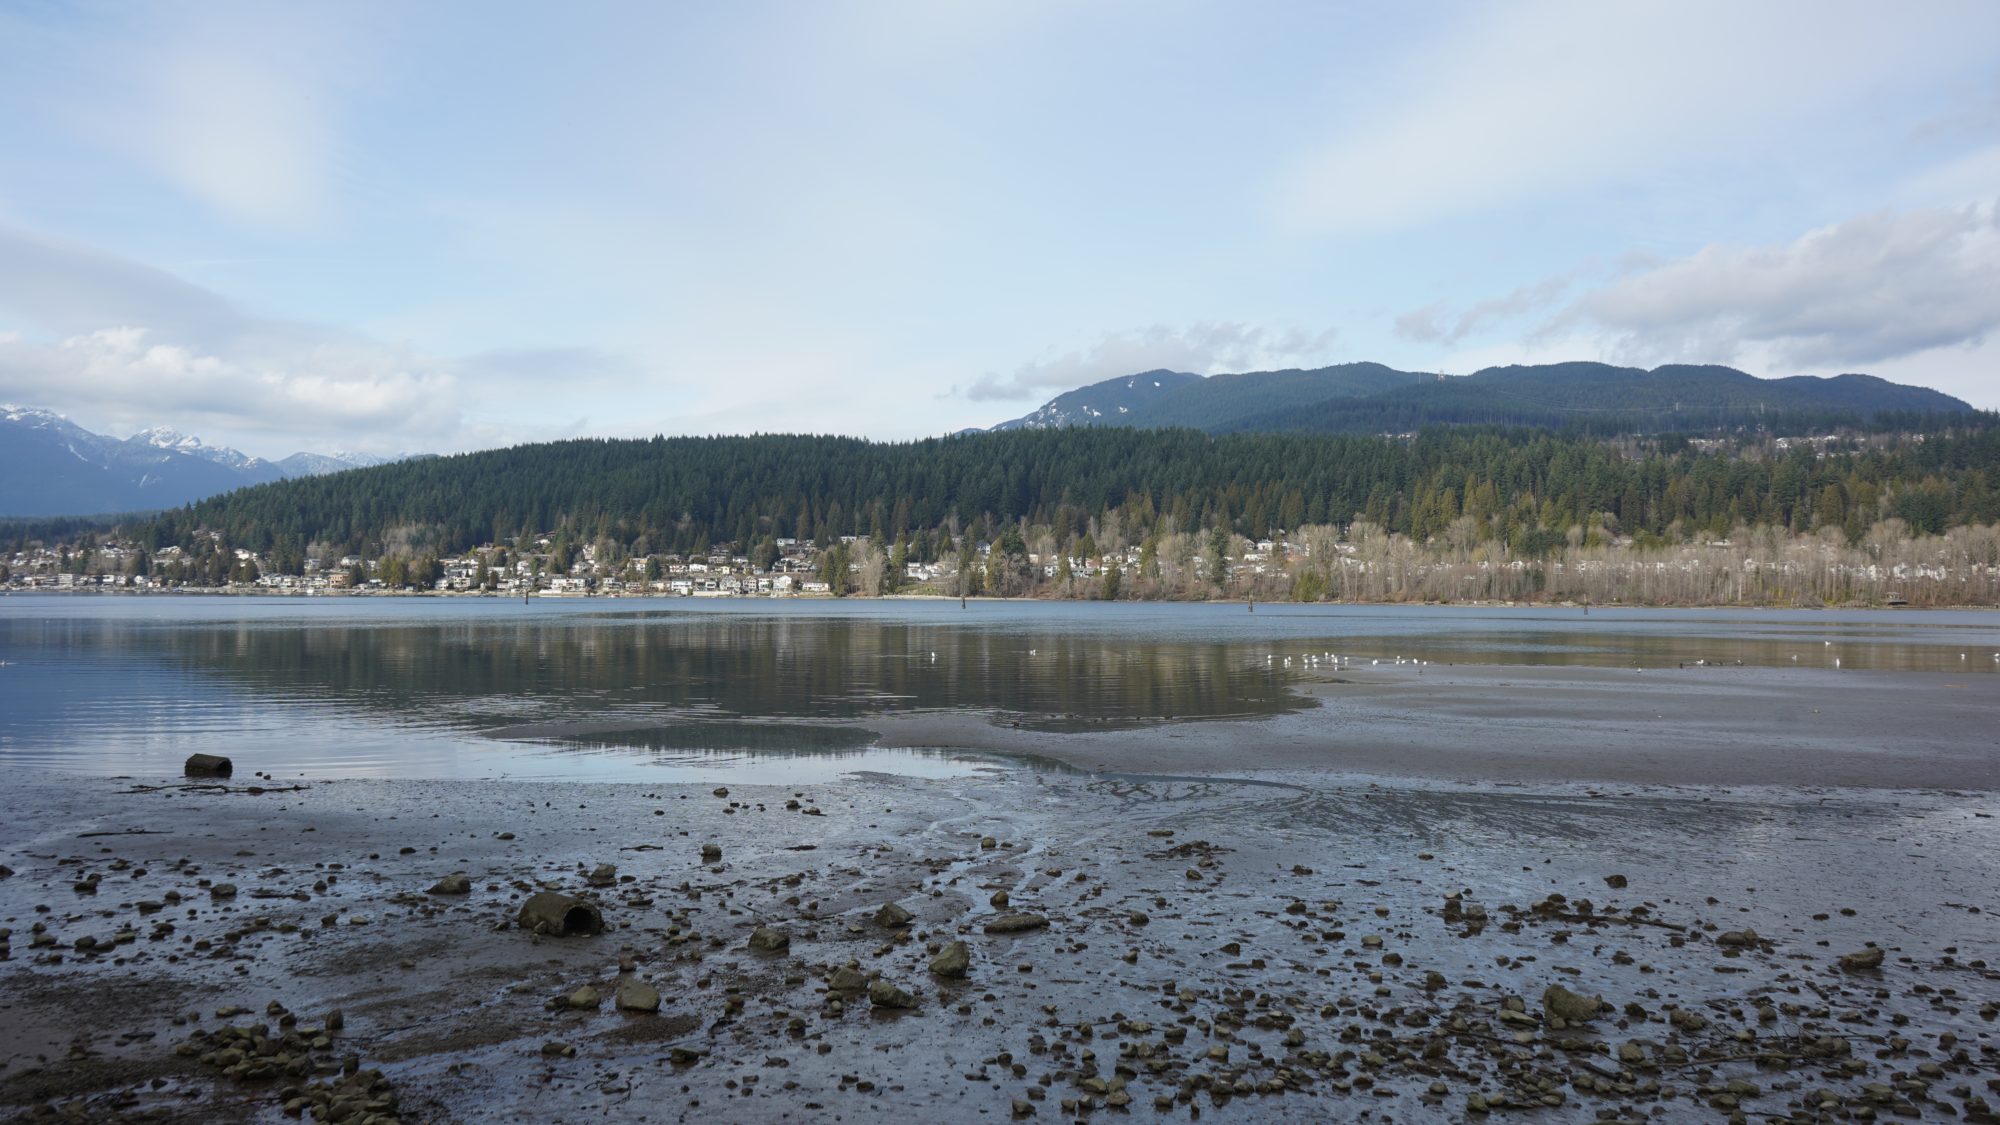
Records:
x=1524, y=488
x=1368, y=398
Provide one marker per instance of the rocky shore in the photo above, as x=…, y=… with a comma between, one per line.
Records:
x=1018, y=945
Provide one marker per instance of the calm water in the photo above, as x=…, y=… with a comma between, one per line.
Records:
x=685, y=690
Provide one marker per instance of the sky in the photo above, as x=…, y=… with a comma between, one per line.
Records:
x=391, y=227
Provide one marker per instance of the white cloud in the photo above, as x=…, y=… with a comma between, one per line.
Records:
x=1438, y=323
x=1204, y=349
x=235, y=104
x=122, y=346
x=1524, y=100
x=121, y=379
x=1873, y=288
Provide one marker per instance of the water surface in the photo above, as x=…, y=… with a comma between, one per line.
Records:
x=681, y=689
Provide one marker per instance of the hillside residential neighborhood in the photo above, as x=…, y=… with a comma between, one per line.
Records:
x=1359, y=562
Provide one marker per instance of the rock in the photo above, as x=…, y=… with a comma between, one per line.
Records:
x=882, y=994
x=457, y=883
x=988, y=843
x=893, y=916
x=1027, y=1109
x=1738, y=939
x=1615, y=882
x=721, y=791
x=952, y=961
x=770, y=939
x=1016, y=923
x=223, y=890
x=1870, y=958
x=585, y=997
x=636, y=996
x=603, y=875
x=847, y=979
x=710, y=853
x=207, y=765
x=560, y=915
x=999, y=899
x=1570, y=1007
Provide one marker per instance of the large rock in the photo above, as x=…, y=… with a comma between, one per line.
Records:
x=456, y=883
x=559, y=915
x=636, y=996
x=585, y=997
x=207, y=765
x=1570, y=1007
x=603, y=875
x=893, y=916
x=952, y=961
x=1016, y=923
x=882, y=994
x=770, y=939
x=847, y=979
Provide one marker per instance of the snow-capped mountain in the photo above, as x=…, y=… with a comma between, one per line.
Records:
x=160, y=437
x=50, y=466
x=1111, y=402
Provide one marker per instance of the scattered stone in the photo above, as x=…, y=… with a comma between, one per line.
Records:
x=847, y=979
x=882, y=994
x=635, y=995
x=952, y=961
x=770, y=939
x=999, y=900
x=1615, y=882
x=584, y=997
x=603, y=875
x=711, y=853
x=1016, y=923
x=457, y=883
x=1570, y=1007
x=1862, y=961
x=893, y=916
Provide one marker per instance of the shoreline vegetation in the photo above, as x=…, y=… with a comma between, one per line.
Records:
x=1458, y=516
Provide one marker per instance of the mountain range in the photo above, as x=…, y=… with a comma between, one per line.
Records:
x=51, y=466
x=1593, y=397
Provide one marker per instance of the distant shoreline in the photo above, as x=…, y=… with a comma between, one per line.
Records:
x=229, y=592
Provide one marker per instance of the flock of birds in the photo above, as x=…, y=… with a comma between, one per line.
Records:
x=1337, y=662
x=1334, y=660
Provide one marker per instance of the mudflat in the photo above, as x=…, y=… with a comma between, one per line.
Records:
x=1287, y=944
x=1723, y=725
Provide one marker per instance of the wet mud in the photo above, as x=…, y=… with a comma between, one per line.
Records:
x=1295, y=945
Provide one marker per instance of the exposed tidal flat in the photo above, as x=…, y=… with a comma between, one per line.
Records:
x=1485, y=863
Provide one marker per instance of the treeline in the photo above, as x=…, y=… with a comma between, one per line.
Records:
x=683, y=495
